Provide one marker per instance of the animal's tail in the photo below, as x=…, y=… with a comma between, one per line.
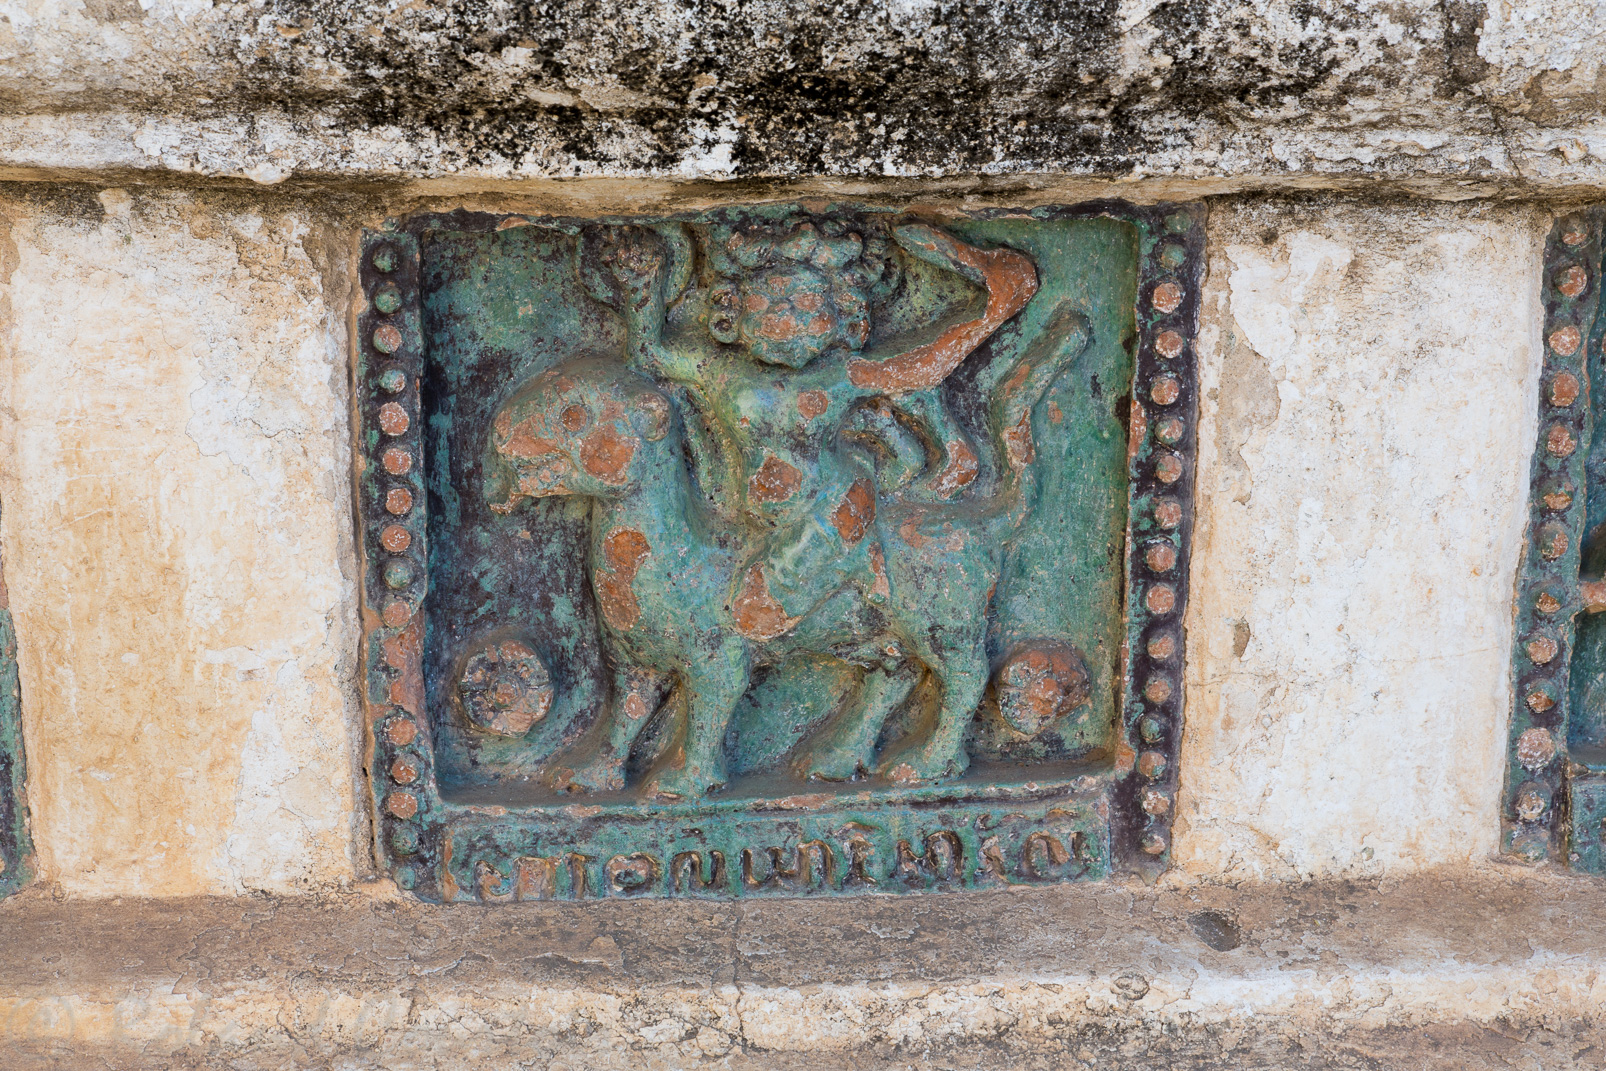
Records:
x=1059, y=342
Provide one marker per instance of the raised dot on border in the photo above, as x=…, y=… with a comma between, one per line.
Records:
x=395, y=538
x=398, y=574
x=1170, y=430
x=1165, y=390
x=393, y=419
x=396, y=613
x=1158, y=690
x=1566, y=340
x=1167, y=512
x=1152, y=843
x=1155, y=802
x=1166, y=297
x=1559, y=441
x=387, y=299
x=384, y=259
x=397, y=462
x=1160, y=557
x=1564, y=390
x=1168, y=344
x=1161, y=599
x=1168, y=468
x=1553, y=541
x=1541, y=649
x=393, y=381
x=405, y=770
x=387, y=339
x=1570, y=282
x=401, y=731
x=1151, y=764
x=402, y=804
x=1162, y=647
x=399, y=501
x=1536, y=748
x=404, y=839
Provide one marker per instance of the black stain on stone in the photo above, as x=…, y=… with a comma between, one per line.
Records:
x=778, y=89
x=1217, y=930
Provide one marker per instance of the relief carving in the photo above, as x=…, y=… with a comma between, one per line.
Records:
x=734, y=544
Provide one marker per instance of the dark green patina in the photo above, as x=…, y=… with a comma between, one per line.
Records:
x=778, y=549
x=16, y=849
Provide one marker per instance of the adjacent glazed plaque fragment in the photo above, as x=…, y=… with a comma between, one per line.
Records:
x=1555, y=797
x=788, y=549
x=16, y=849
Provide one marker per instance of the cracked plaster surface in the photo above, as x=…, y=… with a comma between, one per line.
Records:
x=176, y=526
x=1369, y=376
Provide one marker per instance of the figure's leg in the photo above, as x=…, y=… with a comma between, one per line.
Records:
x=941, y=752
x=695, y=765
x=846, y=745
x=596, y=762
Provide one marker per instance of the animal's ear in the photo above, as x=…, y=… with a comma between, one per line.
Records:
x=682, y=259
x=595, y=277
x=650, y=415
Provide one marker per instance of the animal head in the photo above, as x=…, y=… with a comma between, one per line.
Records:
x=585, y=427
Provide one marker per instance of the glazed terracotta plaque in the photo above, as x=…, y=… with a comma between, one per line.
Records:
x=780, y=549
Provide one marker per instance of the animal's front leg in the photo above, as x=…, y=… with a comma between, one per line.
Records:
x=596, y=763
x=963, y=675
x=695, y=766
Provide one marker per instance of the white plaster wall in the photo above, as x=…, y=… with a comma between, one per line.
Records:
x=176, y=535
x=1369, y=376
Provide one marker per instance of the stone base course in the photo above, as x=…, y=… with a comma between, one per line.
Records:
x=1502, y=969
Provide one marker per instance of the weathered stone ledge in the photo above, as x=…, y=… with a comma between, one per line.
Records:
x=259, y=150
x=1454, y=96
x=1442, y=970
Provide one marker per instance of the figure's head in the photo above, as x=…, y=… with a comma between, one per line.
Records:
x=582, y=428
x=786, y=291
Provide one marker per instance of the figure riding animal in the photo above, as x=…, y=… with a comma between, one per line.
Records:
x=664, y=566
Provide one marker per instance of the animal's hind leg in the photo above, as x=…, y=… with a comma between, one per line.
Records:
x=596, y=763
x=695, y=765
x=847, y=743
x=941, y=752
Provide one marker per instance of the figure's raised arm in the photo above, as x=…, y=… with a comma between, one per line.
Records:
x=1010, y=280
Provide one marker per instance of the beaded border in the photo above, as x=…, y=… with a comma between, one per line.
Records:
x=1161, y=455
x=391, y=502
x=1534, y=811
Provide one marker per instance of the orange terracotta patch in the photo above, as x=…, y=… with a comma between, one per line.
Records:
x=813, y=403
x=775, y=481
x=623, y=551
x=960, y=470
x=1018, y=443
x=606, y=454
x=758, y=616
x=852, y=518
